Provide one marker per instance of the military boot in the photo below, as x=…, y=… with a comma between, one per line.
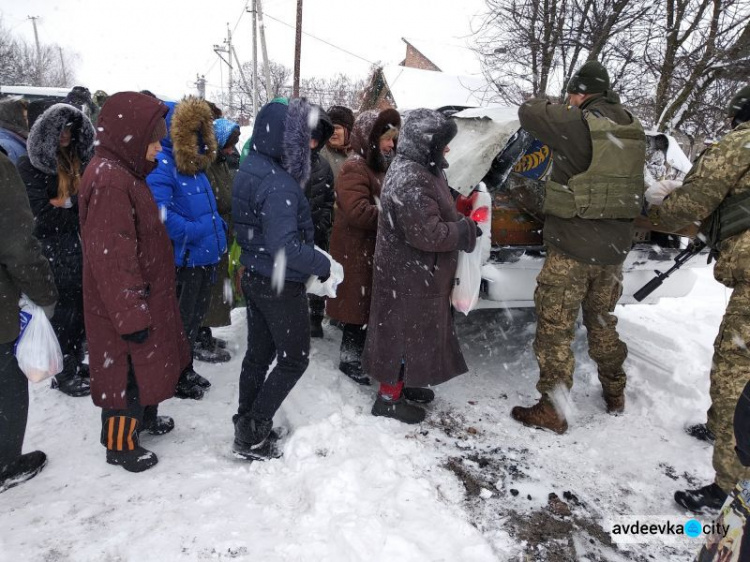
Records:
x=707, y=497
x=615, y=403
x=542, y=414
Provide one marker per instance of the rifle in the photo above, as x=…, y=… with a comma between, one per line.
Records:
x=693, y=249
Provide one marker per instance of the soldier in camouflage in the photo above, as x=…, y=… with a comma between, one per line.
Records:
x=595, y=192
x=716, y=191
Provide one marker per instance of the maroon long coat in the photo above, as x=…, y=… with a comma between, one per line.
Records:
x=355, y=225
x=419, y=237
x=128, y=269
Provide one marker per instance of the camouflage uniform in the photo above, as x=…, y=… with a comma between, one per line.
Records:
x=564, y=286
x=723, y=170
x=583, y=269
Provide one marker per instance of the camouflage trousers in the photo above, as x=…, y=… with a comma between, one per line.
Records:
x=729, y=374
x=565, y=286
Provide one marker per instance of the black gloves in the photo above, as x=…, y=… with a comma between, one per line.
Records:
x=324, y=278
x=136, y=337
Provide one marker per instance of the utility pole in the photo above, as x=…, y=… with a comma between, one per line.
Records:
x=200, y=84
x=228, y=61
x=255, y=59
x=297, y=49
x=244, y=82
x=270, y=93
x=38, y=51
x=62, y=64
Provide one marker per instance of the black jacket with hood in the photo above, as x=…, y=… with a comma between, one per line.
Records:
x=319, y=188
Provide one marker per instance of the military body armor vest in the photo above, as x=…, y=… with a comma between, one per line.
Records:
x=613, y=185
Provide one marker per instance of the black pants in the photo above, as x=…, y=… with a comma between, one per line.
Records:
x=278, y=326
x=194, y=296
x=353, y=343
x=68, y=322
x=133, y=409
x=317, y=306
x=14, y=406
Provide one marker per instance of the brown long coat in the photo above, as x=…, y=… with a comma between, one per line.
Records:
x=419, y=236
x=355, y=226
x=128, y=268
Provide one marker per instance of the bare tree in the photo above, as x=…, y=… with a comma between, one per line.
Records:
x=20, y=64
x=339, y=90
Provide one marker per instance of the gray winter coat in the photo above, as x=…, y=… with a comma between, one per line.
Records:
x=419, y=235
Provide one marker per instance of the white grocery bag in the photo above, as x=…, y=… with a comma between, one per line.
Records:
x=327, y=288
x=37, y=349
x=465, y=293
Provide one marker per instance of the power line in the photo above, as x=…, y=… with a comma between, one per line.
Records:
x=319, y=39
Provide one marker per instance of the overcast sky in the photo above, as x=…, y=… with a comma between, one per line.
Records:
x=162, y=46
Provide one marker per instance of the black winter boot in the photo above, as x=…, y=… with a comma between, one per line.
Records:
x=191, y=385
x=154, y=424
x=316, y=326
x=120, y=437
x=354, y=371
x=399, y=410
x=22, y=469
x=418, y=395
x=707, y=497
x=253, y=441
x=215, y=355
x=69, y=381
x=701, y=432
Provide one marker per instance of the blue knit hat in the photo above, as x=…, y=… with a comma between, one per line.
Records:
x=224, y=130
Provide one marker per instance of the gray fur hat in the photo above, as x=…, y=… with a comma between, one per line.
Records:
x=44, y=137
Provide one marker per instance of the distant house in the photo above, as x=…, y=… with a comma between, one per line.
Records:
x=419, y=82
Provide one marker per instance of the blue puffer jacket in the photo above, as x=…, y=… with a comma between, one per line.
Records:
x=12, y=145
x=269, y=208
x=188, y=208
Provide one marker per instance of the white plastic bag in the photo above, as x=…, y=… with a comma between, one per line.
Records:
x=465, y=293
x=37, y=349
x=327, y=288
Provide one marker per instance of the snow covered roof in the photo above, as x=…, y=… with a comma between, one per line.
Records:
x=412, y=88
x=451, y=58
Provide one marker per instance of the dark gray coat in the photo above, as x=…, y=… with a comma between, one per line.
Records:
x=419, y=235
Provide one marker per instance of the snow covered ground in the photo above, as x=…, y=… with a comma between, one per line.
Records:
x=469, y=484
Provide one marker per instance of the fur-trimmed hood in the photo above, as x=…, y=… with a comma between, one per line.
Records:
x=365, y=140
x=44, y=137
x=423, y=138
x=12, y=116
x=191, y=138
x=282, y=132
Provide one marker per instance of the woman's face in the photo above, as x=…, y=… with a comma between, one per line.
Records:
x=386, y=145
x=338, y=138
x=153, y=150
x=66, y=136
x=446, y=150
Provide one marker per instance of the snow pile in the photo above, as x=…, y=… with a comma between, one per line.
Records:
x=469, y=484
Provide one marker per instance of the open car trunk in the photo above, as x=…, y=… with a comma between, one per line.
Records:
x=489, y=147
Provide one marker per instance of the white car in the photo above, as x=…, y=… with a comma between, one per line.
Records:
x=480, y=153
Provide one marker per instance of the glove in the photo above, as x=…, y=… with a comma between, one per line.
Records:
x=49, y=310
x=136, y=337
x=323, y=278
x=479, y=230
x=659, y=190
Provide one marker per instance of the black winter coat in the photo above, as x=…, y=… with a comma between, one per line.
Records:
x=58, y=229
x=321, y=195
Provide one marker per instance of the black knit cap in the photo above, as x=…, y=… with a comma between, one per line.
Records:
x=739, y=101
x=591, y=78
x=341, y=115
